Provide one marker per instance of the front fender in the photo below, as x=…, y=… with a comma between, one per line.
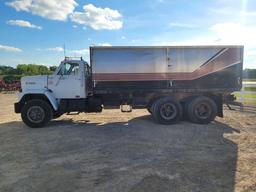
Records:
x=47, y=93
x=52, y=99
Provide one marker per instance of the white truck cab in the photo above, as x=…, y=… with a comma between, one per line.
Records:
x=71, y=74
x=69, y=81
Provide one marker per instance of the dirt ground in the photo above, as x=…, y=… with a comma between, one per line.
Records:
x=128, y=152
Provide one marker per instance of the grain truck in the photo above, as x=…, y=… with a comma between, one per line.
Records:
x=171, y=82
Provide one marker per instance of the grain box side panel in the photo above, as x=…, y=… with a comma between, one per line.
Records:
x=130, y=60
x=162, y=64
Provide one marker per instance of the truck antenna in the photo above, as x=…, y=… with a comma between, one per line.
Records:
x=64, y=50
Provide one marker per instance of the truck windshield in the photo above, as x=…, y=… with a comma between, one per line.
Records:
x=69, y=69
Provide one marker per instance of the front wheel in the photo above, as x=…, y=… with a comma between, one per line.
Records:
x=36, y=113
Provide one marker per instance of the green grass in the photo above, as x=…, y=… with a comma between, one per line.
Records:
x=245, y=95
x=249, y=103
x=250, y=89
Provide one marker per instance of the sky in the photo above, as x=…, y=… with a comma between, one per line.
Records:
x=36, y=31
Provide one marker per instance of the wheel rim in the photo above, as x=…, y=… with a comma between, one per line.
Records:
x=168, y=111
x=203, y=110
x=35, y=114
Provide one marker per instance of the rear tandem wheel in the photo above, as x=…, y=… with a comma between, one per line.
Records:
x=201, y=109
x=166, y=110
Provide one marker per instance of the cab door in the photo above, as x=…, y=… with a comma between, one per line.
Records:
x=68, y=82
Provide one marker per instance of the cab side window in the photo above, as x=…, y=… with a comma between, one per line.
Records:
x=66, y=68
x=69, y=69
x=75, y=70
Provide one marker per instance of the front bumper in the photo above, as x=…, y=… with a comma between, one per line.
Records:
x=17, y=107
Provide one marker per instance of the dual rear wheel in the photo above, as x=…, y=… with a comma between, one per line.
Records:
x=201, y=110
x=167, y=110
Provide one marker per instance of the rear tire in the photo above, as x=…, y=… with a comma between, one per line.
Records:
x=166, y=110
x=36, y=113
x=201, y=110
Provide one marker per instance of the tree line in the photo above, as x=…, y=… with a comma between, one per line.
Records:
x=27, y=69
x=249, y=73
x=9, y=73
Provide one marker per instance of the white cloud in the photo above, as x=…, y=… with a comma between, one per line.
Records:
x=80, y=52
x=235, y=33
x=105, y=44
x=123, y=37
x=74, y=26
x=50, y=9
x=248, y=13
x=9, y=48
x=182, y=25
x=23, y=23
x=57, y=49
x=221, y=34
x=98, y=18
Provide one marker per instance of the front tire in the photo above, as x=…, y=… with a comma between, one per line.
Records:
x=36, y=113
